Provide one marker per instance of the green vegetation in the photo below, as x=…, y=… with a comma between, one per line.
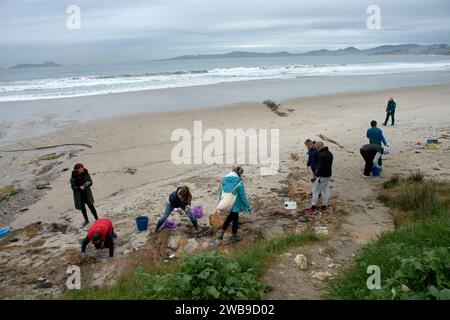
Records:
x=414, y=259
x=207, y=275
x=8, y=191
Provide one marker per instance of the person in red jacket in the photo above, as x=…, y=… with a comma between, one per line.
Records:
x=100, y=233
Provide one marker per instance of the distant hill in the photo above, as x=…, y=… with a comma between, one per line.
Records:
x=29, y=65
x=407, y=49
x=234, y=54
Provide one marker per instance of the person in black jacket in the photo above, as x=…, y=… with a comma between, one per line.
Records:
x=371, y=154
x=321, y=186
x=313, y=156
x=81, y=183
x=179, y=200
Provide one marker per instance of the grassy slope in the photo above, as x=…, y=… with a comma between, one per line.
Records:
x=423, y=223
x=164, y=282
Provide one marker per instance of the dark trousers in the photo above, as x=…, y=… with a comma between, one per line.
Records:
x=232, y=217
x=84, y=202
x=389, y=114
x=368, y=158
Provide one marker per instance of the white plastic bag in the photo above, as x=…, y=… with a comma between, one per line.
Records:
x=227, y=200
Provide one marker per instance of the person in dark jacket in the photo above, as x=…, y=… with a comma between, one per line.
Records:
x=375, y=135
x=101, y=233
x=81, y=184
x=371, y=154
x=321, y=186
x=180, y=201
x=313, y=156
x=390, y=111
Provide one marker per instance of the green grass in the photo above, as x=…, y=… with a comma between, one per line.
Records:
x=8, y=191
x=413, y=259
x=207, y=275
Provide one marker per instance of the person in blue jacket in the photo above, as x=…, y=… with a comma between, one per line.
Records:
x=375, y=135
x=313, y=156
x=233, y=182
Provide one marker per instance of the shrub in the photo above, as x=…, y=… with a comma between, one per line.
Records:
x=205, y=276
x=389, y=252
x=8, y=191
x=424, y=277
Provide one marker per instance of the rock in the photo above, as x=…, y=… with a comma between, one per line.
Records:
x=371, y=206
x=272, y=232
x=295, y=156
x=172, y=256
x=130, y=171
x=322, y=230
x=43, y=185
x=301, y=261
x=287, y=254
x=321, y=275
x=50, y=156
x=332, y=265
x=45, y=285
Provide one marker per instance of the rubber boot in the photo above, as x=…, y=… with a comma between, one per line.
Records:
x=220, y=234
x=158, y=225
x=195, y=223
x=235, y=238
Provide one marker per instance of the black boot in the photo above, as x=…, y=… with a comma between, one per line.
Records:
x=158, y=225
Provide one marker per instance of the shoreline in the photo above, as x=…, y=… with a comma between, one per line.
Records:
x=39, y=117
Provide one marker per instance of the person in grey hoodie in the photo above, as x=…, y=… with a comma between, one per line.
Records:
x=233, y=183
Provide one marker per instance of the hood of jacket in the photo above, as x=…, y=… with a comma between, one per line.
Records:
x=230, y=181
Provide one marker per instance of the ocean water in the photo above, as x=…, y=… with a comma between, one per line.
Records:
x=86, y=80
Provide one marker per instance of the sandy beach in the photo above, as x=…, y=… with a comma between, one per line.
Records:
x=129, y=159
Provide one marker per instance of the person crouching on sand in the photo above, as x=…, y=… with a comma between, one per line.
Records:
x=371, y=154
x=81, y=184
x=101, y=233
x=321, y=185
x=179, y=200
x=233, y=183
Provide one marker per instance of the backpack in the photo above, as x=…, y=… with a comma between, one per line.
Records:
x=227, y=200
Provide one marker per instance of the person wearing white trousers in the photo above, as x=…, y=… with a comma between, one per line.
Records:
x=321, y=187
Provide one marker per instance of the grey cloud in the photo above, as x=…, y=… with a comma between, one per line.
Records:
x=35, y=30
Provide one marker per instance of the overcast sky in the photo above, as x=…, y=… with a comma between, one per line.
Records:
x=125, y=30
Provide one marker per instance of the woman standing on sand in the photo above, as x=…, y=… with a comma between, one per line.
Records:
x=81, y=184
x=233, y=183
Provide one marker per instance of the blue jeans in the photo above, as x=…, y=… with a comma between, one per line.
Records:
x=168, y=211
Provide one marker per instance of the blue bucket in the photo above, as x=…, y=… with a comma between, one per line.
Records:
x=376, y=171
x=142, y=223
x=4, y=232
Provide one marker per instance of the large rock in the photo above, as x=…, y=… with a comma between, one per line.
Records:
x=321, y=275
x=301, y=261
x=322, y=230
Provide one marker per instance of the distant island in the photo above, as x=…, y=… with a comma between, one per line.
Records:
x=30, y=65
x=402, y=49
